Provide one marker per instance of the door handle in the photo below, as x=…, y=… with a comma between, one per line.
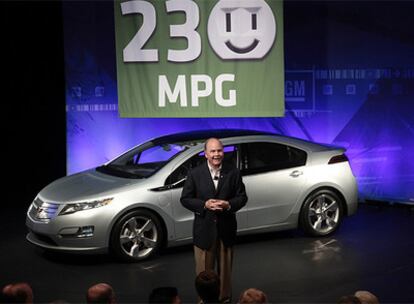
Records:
x=296, y=173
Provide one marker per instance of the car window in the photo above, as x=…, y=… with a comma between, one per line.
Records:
x=230, y=156
x=264, y=156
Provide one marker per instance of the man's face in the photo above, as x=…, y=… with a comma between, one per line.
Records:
x=214, y=152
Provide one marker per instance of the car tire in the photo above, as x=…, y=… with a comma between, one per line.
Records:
x=136, y=236
x=321, y=213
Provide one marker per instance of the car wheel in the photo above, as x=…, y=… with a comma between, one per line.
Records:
x=136, y=236
x=321, y=213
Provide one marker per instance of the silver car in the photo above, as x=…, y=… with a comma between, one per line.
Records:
x=131, y=206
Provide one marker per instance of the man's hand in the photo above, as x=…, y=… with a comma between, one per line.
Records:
x=223, y=204
x=217, y=205
x=213, y=205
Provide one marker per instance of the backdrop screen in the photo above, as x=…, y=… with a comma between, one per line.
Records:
x=348, y=81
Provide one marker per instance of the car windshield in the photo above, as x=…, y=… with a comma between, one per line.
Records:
x=144, y=160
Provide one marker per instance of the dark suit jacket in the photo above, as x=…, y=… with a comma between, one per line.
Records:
x=198, y=188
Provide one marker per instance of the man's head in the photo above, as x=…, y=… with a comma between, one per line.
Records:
x=213, y=150
x=207, y=284
x=100, y=293
x=166, y=294
x=366, y=297
x=253, y=295
x=17, y=293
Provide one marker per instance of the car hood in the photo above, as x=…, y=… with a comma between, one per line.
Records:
x=86, y=185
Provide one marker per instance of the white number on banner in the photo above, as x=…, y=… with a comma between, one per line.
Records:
x=187, y=30
x=134, y=50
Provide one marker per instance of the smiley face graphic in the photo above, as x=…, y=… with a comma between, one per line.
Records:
x=241, y=29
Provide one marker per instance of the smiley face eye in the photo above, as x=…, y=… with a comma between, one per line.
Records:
x=254, y=21
x=228, y=22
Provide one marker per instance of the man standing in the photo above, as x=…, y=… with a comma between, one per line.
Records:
x=214, y=191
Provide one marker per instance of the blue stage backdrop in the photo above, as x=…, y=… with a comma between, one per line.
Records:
x=349, y=81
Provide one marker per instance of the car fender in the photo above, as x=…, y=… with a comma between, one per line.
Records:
x=315, y=187
x=166, y=221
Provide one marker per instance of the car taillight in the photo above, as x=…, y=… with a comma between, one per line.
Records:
x=338, y=159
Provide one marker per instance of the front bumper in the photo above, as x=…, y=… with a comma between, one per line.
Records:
x=85, y=231
x=45, y=242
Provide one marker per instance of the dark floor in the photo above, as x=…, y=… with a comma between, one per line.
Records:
x=373, y=250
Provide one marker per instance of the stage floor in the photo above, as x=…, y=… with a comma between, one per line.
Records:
x=373, y=250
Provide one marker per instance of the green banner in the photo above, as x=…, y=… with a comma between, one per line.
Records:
x=183, y=58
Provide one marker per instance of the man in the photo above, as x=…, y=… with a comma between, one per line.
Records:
x=214, y=191
x=252, y=295
x=100, y=293
x=366, y=297
x=207, y=284
x=17, y=293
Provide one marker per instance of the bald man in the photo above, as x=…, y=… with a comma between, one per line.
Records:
x=252, y=295
x=100, y=293
x=214, y=191
x=366, y=297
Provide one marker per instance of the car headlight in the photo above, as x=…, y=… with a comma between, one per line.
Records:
x=72, y=208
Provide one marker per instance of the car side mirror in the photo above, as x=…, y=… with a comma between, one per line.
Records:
x=177, y=184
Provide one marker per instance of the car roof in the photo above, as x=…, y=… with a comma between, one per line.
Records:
x=202, y=135
x=205, y=134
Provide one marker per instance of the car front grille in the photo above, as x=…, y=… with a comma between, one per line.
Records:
x=43, y=211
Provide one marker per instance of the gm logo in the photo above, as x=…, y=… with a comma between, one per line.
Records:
x=299, y=90
x=295, y=90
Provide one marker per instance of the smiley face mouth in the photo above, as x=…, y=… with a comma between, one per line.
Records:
x=244, y=50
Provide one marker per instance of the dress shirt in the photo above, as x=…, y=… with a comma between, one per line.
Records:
x=215, y=174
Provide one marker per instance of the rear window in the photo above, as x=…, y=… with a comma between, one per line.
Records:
x=263, y=156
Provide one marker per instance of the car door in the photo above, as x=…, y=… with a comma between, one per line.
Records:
x=182, y=216
x=274, y=175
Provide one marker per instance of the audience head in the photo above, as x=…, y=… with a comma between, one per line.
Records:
x=207, y=284
x=164, y=295
x=350, y=299
x=17, y=293
x=100, y=293
x=253, y=295
x=366, y=297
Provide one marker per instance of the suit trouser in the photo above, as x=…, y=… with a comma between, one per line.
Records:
x=205, y=260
